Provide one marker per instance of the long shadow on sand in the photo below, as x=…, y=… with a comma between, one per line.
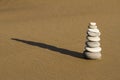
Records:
x=52, y=48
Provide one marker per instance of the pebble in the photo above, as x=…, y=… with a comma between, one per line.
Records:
x=93, y=38
x=92, y=23
x=93, y=56
x=96, y=49
x=92, y=27
x=93, y=30
x=92, y=44
x=93, y=33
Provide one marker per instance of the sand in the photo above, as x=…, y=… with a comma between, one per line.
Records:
x=45, y=39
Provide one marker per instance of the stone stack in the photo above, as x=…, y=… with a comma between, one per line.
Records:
x=93, y=49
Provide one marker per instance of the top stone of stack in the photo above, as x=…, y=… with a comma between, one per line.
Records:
x=92, y=25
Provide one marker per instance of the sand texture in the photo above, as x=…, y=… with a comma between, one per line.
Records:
x=45, y=39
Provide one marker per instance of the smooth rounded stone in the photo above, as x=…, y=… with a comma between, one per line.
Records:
x=96, y=49
x=93, y=34
x=92, y=23
x=93, y=30
x=93, y=38
x=93, y=56
x=92, y=27
x=92, y=44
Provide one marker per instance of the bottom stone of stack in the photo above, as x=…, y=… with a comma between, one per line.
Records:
x=93, y=56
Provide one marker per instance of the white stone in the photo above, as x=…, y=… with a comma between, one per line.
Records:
x=92, y=23
x=92, y=44
x=93, y=55
x=96, y=49
x=93, y=30
x=92, y=27
x=93, y=34
x=93, y=38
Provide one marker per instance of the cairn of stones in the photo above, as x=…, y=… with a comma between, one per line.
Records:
x=92, y=48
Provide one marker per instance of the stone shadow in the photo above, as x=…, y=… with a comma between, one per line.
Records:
x=52, y=48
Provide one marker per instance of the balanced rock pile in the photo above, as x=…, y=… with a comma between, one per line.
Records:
x=93, y=49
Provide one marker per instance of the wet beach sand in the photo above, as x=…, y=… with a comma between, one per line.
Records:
x=45, y=39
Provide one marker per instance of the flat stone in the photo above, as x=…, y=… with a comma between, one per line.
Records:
x=93, y=56
x=92, y=23
x=92, y=27
x=93, y=30
x=93, y=38
x=92, y=44
x=94, y=50
x=93, y=34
